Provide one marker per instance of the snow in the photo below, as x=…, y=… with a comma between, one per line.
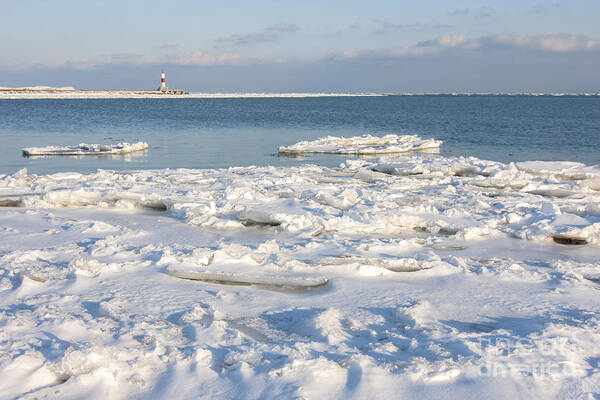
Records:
x=362, y=145
x=433, y=277
x=49, y=92
x=38, y=88
x=84, y=149
x=46, y=92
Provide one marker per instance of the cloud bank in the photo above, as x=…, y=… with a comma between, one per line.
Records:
x=448, y=63
x=460, y=42
x=268, y=34
x=448, y=45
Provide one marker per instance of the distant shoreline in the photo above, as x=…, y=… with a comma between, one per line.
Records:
x=70, y=93
x=47, y=92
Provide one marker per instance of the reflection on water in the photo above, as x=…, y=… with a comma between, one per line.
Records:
x=128, y=157
x=340, y=157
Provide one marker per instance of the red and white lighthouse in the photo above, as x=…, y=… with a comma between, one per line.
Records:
x=163, y=84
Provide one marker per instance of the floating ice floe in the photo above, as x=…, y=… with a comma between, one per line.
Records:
x=362, y=145
x=84, y=149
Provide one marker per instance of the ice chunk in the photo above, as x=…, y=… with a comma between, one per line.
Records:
x=569, y=239
x=10, y=202
x=262, y=282
x=438, y=166
x=83, y=149
x=85, y=266
x=362, y=145
x=560, y=169
x=391, y=264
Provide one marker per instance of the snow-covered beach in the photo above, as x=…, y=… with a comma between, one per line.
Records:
x=49, y=92
x=402, y=276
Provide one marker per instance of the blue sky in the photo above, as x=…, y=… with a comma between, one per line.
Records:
x=383, y=46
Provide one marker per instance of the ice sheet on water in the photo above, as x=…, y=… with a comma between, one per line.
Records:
x=362, y=145
x=83, y=149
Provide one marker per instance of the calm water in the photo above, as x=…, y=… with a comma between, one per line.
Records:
x=213, y=133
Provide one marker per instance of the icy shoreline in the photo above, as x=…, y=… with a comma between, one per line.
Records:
x=49, y=92
x=70, y=93
x=432, y=275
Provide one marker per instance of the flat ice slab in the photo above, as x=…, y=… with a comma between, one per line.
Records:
x=84, y=149
x=277, y=283
x=362, y=145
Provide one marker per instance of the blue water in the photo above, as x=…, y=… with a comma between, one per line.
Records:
x=214, y=133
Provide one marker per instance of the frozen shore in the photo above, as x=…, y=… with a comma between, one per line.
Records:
x=49, y=92
x=430, y=277
x=46, y=92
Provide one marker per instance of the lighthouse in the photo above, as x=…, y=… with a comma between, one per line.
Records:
x=163, y=84
x=163, y=89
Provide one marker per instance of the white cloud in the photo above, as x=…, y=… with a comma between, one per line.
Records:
x=429, y=47
x=545, y=8
x=460, y=42
x=387, y=27
x=396, y=52
x=481, y=12
x=268, y=34
x=452, y=40
x=548, y=42
x=457, y=44
x=199, y=59
x=167, y=46
x=288, y=28
x=193, y=58
x=461, y=11
x=251, y=37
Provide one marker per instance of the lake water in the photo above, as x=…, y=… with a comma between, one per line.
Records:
x=215, y=133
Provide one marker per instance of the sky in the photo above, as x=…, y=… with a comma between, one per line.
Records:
x=303, y=46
